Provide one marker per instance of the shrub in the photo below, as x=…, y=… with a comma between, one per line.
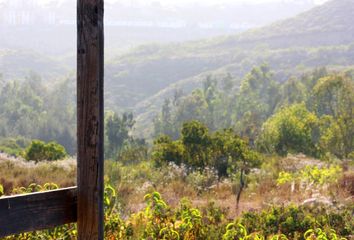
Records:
x=13, y=146
x=39, y=151
x=291, y=130
x=133, y=154
x=159, y=221
x=166, y=150
x=312, y=175
x=203, y=180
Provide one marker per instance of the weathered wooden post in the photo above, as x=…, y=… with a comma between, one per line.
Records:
x=90, y=62
x=84, y=204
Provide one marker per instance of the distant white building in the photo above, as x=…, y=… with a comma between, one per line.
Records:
x=25, y=12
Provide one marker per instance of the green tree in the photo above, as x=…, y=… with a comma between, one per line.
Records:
x=334, y=102
x=118, y=132
x=256, y=101
x=165, y=150
x=291, y=129
x=35, y=111
x=241, y=159
x=164, y=123
x=39, y=151
x=291, y=92
x=196, y=140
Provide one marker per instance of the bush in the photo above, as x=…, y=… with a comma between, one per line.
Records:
x=13, y=146
x=312, y=175
x=291, y=130
x=133, y=154
x=166, y=150
x=202, y=181
x=159, y=221
x=293, y=221
x=39, y=151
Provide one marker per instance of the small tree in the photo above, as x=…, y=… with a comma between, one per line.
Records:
x=166, y=150
x=241, y=159
x=292, y=129
x=39, y=151
x=118, y=130
x=196, y=141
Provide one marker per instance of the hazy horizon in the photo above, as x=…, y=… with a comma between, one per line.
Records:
x=182, y=2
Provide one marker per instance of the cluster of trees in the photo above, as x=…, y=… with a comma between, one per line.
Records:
x=197, y=148
x=311, y=114
x=32, y=110
x=120, y=144
x=209, y=105
x=322, y=123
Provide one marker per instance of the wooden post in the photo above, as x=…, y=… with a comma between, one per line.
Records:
x=90, y=48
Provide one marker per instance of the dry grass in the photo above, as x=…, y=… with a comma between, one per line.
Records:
x=16, y=172
x=133, y=182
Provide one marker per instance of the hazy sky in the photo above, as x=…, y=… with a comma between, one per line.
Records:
x=184, y=2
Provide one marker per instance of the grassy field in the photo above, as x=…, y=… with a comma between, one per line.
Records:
x=276, y=190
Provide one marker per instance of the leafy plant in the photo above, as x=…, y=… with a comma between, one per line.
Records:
x=290, y=130
x=1, y=190
x=318, y=233
x=39, y=151
x=312, y=175
x=159, y=221
x=33, y=187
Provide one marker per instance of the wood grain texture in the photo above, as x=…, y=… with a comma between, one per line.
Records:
x=90, y=49
x=37, y=211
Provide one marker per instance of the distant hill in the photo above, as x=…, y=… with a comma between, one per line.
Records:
x=141, y=79
x=51, y=27
x=16, y=64
x=321, y=36
x=327, y=24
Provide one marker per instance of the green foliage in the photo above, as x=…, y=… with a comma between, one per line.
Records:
x=284, y=177
x=311, y=115
x=2, y=191
x=291, y=130
x=163, y=124
x=159, y=221
x=256, y=101
x=334, y=102
x=33, y=187
x=223, y=151
x=39, y=151
x=320, y=176
x=202, y=180
x=31, y=110
x=195, y=139
x=312, y=175
x=235, y=231
x=117, y=132
x=13, y=146
x=157, y=213
x=134, y=152
x=166, y=150
x=318, y=233
x=206, y=105
x=294, y=221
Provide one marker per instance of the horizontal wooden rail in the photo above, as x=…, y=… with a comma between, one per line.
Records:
x=37, y=211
